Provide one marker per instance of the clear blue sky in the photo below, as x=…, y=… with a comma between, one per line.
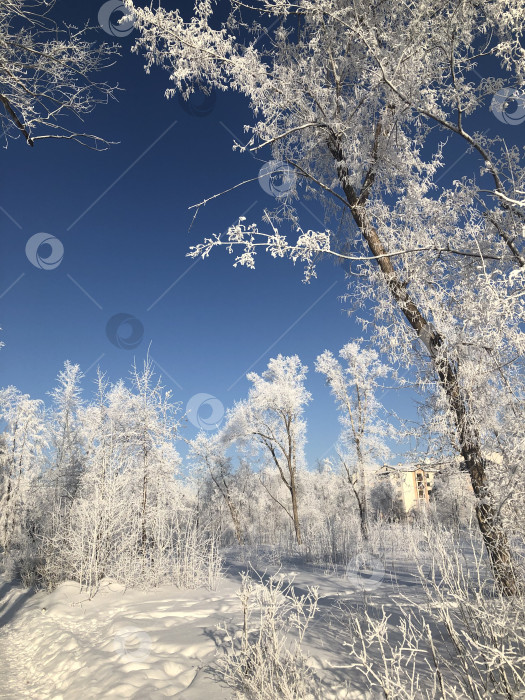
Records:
x=123, y=218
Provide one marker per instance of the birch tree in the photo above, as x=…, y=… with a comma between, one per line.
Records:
x=271, y=419
x=353, y=387
x=359, y=100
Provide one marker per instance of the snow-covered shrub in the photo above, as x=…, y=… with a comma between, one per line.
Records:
x=196, y=560
x=263, y=658
x=109, y=503
x=452, y=498
x=463, y=640
x=330, y=517
x=97, y=538
x=386, y=503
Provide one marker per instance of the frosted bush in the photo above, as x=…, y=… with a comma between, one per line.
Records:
x=263, y=658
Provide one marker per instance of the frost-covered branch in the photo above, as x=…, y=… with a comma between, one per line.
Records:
x=46, y=73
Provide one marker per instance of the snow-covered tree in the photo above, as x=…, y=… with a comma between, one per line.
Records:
x=122, y=519
x=208, y=455
x=66, y=439
x=385, y=501
x=271, y=420
x=354, y=388
x=452, y=498
x=47, y=74
x=359, y=99
x=23, y=442
x=153, y=424
x=83, y=540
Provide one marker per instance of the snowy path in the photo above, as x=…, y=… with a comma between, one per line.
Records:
x=121, y=644
x=11, y=685
x=13, y=680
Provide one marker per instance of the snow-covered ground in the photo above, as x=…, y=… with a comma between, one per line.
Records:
x=120, y=644
x=164, y=643
x=126, y=643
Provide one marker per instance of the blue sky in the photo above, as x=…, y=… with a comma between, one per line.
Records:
x=122, y=216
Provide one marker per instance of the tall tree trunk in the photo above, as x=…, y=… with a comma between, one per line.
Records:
x=5, y=537
x=291, y=485
x=489, y=521
x=295, y=512
x=236, y=522
x=225, y=493
x=290, y=457
x=361, y=495
x=358, y=486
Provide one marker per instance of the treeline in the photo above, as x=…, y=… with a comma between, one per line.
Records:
x=96, y=488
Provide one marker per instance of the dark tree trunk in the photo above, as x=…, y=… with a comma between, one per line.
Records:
x=489, y=521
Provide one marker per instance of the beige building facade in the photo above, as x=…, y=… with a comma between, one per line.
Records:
x=413, y=483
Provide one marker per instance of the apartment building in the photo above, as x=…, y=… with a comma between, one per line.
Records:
x=413, y=483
